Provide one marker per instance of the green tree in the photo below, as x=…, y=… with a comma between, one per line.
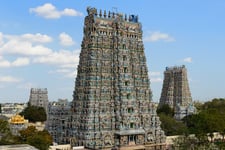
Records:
x=172, y=126
x=6, y=136
x=166, y=110
x=34, y=113
x=39, y=139
x=198, y=105
x=168, y=123
x=209, y=119
x=29, y=131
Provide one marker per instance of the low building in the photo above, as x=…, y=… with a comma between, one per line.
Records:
x=40, y=126
x=17, y=147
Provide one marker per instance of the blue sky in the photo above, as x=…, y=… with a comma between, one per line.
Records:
x=40, y=44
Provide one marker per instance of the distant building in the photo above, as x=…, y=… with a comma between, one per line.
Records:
x=39, y=97
x=58, y=121
x=11, y=109
x=40, y=126
x=176, y=92
x=112, y=101
x=17, y=123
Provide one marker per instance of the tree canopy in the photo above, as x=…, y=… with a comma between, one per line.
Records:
x=168, y=123
x=34, y=113
x=209, y=119
x=166, y=110
x=39, y=139
x=6, y=136
x=172, y=126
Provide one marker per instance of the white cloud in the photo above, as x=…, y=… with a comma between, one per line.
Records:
x=155, y=74
x=69, y=65
x=21, y=62
x=1, y=39
x=27, y=85
x=25, y=44
x=71, y=74
x=63, y=70
x=60, y=58
x=66, y=61
x=158, y=36
x=157, y=79
x=4, y=63
x=49, y=11
x=71, y=12
x=28, y=37
x=37, y=38
x=24, y=48
x=9, y=79
x=16, y=63
x=68, y=73
x=65, y=39
x=60, y=70
x=188, y=60
x=21, y=50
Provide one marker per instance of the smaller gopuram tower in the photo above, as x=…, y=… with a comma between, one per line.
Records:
x=39, y=97
x=175, y=90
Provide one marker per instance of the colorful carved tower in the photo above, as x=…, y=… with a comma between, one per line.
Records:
x=176, y=92
x=112, y=101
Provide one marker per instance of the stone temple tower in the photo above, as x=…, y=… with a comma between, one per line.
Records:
x=176, y=92
x=112, y=101
x=39, y=97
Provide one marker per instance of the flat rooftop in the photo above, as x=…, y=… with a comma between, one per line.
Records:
x=17, y=147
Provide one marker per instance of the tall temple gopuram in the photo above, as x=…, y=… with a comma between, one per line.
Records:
x=112, y=100
x=176, y=92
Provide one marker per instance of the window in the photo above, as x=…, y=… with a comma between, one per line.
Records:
x=128, y=96
x=124, y=46
x=130, y=110
x=124, y=58
x=131, y=138
x=125, y=69
x=131, y=125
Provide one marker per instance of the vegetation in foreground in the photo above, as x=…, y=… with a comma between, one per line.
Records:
x=209, y=119
x=39, y=139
